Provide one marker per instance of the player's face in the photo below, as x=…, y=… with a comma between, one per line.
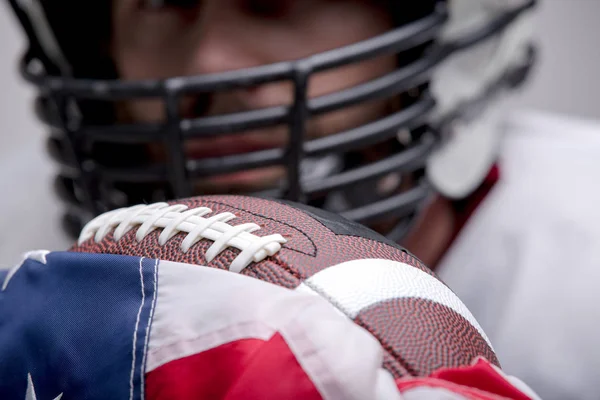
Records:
x=158, y=39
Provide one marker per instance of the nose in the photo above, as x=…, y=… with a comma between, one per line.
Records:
x=223, y=41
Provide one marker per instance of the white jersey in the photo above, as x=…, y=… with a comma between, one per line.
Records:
x=527, y=263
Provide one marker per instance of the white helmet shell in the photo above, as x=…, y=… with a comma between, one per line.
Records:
x=460, y=165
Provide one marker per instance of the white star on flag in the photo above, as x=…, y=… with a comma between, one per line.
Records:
x=30, y=394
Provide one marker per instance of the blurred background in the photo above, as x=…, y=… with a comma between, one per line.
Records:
x=566, y=82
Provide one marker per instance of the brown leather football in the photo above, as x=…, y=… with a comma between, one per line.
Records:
x=420, y=323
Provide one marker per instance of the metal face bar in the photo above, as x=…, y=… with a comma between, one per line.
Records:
x=297, y=128
x=176, y=161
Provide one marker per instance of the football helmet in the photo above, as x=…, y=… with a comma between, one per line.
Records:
x=455, y=57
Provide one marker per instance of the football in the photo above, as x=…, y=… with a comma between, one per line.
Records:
x=417, y=319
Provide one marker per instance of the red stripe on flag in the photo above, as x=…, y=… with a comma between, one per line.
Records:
x=479, y=381
x=245, y=369
x=483, y=376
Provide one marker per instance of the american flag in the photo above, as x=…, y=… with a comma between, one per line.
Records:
x=77, y=326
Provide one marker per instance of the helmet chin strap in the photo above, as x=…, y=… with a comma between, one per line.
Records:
x=356, y=195
x=314, y=168
x=317, y=168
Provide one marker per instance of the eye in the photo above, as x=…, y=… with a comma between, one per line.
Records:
x=268, y=8
x=163, y=4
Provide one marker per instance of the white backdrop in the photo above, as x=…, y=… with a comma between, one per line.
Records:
x=567, y=80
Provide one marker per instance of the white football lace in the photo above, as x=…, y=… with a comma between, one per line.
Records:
x=173, y=219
